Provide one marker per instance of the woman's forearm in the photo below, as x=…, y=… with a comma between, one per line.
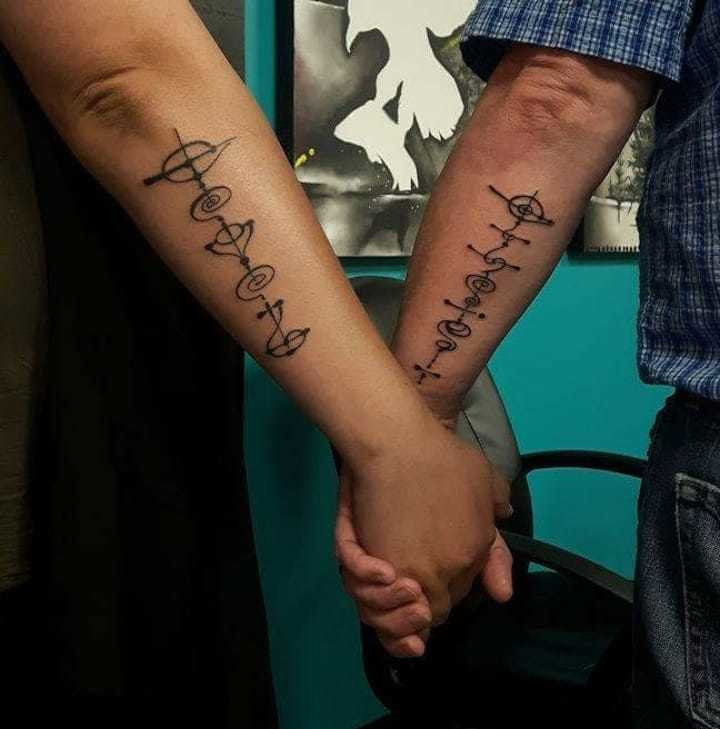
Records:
x=176, y=138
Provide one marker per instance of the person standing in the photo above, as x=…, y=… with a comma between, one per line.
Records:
x=567, y=82
x=139, y=130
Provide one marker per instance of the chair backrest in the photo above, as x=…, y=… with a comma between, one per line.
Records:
x=483, y=422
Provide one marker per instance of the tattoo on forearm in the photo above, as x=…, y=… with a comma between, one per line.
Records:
x=524, y=209
x=189, y=163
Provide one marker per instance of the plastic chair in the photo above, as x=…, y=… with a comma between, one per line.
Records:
x=559, y=654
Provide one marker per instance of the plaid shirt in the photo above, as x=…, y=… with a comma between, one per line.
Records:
x=679, y=218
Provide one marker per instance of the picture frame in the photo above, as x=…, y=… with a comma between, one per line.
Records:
x=609, y=225
x=368, y=218
x=370, y=101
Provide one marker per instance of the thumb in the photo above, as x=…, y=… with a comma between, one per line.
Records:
x=497, y=574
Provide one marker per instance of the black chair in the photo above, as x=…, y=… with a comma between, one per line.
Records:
x=559, y=654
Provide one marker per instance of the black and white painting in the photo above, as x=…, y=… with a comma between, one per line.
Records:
x=610, y=223
x=381, y=93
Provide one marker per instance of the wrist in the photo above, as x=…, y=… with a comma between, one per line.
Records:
x=379, y=433
x=443, y=404
x=443, y=396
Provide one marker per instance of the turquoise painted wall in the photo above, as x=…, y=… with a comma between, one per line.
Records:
x=567, y=375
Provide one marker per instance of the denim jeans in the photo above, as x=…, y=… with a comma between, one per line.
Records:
x=677, y=603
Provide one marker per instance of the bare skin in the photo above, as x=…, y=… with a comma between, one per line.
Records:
x=545, y=133
x=147, y=102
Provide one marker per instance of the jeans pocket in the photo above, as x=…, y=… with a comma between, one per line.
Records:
x=698, y=527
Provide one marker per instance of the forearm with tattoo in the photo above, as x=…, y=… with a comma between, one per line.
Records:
x=543, y=135
x=189, y=163
x=524, y=210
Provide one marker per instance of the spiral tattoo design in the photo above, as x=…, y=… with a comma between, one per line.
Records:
x=524, y=210
x=188, y=164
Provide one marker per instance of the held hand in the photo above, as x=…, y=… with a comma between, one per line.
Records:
x=396, y=608
x=428, y=508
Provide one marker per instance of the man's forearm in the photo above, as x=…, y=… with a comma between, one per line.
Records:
x=543, y=136
x=179, y=142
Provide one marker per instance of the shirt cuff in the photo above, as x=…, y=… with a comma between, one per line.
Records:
x=648, y=34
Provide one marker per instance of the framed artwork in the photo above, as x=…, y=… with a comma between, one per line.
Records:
x=371, y=98
x=378, y=94
x=609, y=225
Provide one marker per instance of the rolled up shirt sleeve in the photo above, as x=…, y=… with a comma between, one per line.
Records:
x=648, y=34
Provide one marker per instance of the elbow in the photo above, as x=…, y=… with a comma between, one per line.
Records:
x=550, y=96
x=547, y=109
x=118, y=98
x=555, y=95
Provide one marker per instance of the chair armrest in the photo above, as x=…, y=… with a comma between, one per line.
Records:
x=595, y=460
x=570, y=564
x=559, y=559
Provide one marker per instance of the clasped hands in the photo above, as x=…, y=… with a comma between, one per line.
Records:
x=415, y=528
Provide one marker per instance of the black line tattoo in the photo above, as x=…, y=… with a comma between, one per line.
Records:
x=189, y=163
x=524, y=209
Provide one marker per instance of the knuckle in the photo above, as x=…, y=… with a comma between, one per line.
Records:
x=378, y=602
x=361, y=598
x=395, y=632
x=419, y=619
x=425, y=579
x=377, y=574
x=408, y=585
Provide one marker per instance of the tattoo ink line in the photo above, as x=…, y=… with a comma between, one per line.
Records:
x=188, y=164
x=524, y=209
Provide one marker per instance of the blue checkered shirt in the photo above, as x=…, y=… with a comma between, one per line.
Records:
x=679, y=218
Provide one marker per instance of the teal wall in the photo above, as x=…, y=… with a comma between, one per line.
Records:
x=567, y=375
